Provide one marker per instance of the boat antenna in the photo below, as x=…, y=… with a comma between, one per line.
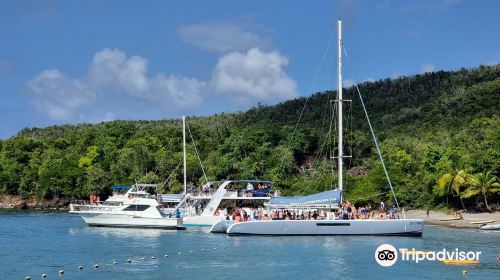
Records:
x=184, y=150
x=340, y=162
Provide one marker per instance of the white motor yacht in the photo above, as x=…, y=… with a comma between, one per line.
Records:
x=137, y=208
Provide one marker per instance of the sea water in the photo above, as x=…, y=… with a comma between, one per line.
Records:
x=33, y=243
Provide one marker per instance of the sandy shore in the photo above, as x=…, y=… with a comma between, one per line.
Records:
x=436, y=217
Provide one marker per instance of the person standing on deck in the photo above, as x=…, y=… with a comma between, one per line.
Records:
x=249, y=189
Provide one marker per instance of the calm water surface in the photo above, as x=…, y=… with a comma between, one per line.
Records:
x=33, y=243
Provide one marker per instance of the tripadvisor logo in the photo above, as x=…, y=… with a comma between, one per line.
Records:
x=387, y=255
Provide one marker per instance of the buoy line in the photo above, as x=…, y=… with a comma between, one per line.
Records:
x=115, y=263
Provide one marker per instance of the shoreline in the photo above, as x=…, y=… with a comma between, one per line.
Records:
x=32, y=203
x=436, y=218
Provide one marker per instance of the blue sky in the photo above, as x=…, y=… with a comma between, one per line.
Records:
x=91, y=61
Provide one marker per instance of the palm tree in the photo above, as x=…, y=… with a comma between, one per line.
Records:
x=452, y=182
x=482, y=183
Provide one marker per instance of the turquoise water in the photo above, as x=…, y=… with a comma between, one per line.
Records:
x=33, y=243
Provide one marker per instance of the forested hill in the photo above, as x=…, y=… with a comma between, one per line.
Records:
x=428, y=125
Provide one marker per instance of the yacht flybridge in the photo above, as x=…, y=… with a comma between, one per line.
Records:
x=210, y=204
x=136, y=208
x=329, y=202
x=248, y=194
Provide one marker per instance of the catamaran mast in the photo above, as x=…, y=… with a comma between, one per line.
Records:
x=340, y=128
x=184, y=150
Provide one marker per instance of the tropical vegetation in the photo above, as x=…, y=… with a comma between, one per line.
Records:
x=439, y=134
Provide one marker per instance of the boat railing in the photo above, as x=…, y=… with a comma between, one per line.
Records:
x=236, y=193
x=85, y=205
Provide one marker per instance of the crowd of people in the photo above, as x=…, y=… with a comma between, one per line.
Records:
x=346, y=211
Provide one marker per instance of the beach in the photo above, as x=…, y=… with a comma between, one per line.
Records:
x=443, y=218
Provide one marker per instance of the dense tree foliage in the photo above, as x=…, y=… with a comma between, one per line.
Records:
x=429, y=126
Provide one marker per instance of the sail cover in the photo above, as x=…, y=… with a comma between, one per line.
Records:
x=329, y=197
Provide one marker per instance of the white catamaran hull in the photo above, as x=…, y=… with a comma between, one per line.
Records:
x=404, y=227
x=124, y=220
x=221, y=226
x=201, y=221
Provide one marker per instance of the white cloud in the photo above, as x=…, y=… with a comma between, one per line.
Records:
x=221, y=37
x=348, y=83
x=253, y=76
x=116, y=85
x=395, y=75
x=112, y=68
x=176, y=91
x=108, y=117
x=58, y=96
x=427, y=68
x=111, y=72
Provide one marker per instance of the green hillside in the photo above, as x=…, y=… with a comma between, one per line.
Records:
x=428, y=125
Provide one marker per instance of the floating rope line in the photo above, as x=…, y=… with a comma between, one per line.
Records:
x=96, y=265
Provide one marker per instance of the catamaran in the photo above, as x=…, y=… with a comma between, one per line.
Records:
x=136, y=208
x=326, y=226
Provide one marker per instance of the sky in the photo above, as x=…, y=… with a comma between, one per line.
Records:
x=95, y=60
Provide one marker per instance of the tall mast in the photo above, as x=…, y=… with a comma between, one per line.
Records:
x=339, y=91
x=184, y=150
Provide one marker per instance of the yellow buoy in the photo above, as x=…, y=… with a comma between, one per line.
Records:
x=460, y=262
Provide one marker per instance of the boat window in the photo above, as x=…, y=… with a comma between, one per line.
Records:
x=136, y=207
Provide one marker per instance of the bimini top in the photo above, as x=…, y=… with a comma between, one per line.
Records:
x=323, y=198
x=120, y=187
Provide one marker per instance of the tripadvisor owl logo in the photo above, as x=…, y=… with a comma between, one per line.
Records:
x=386, y=255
